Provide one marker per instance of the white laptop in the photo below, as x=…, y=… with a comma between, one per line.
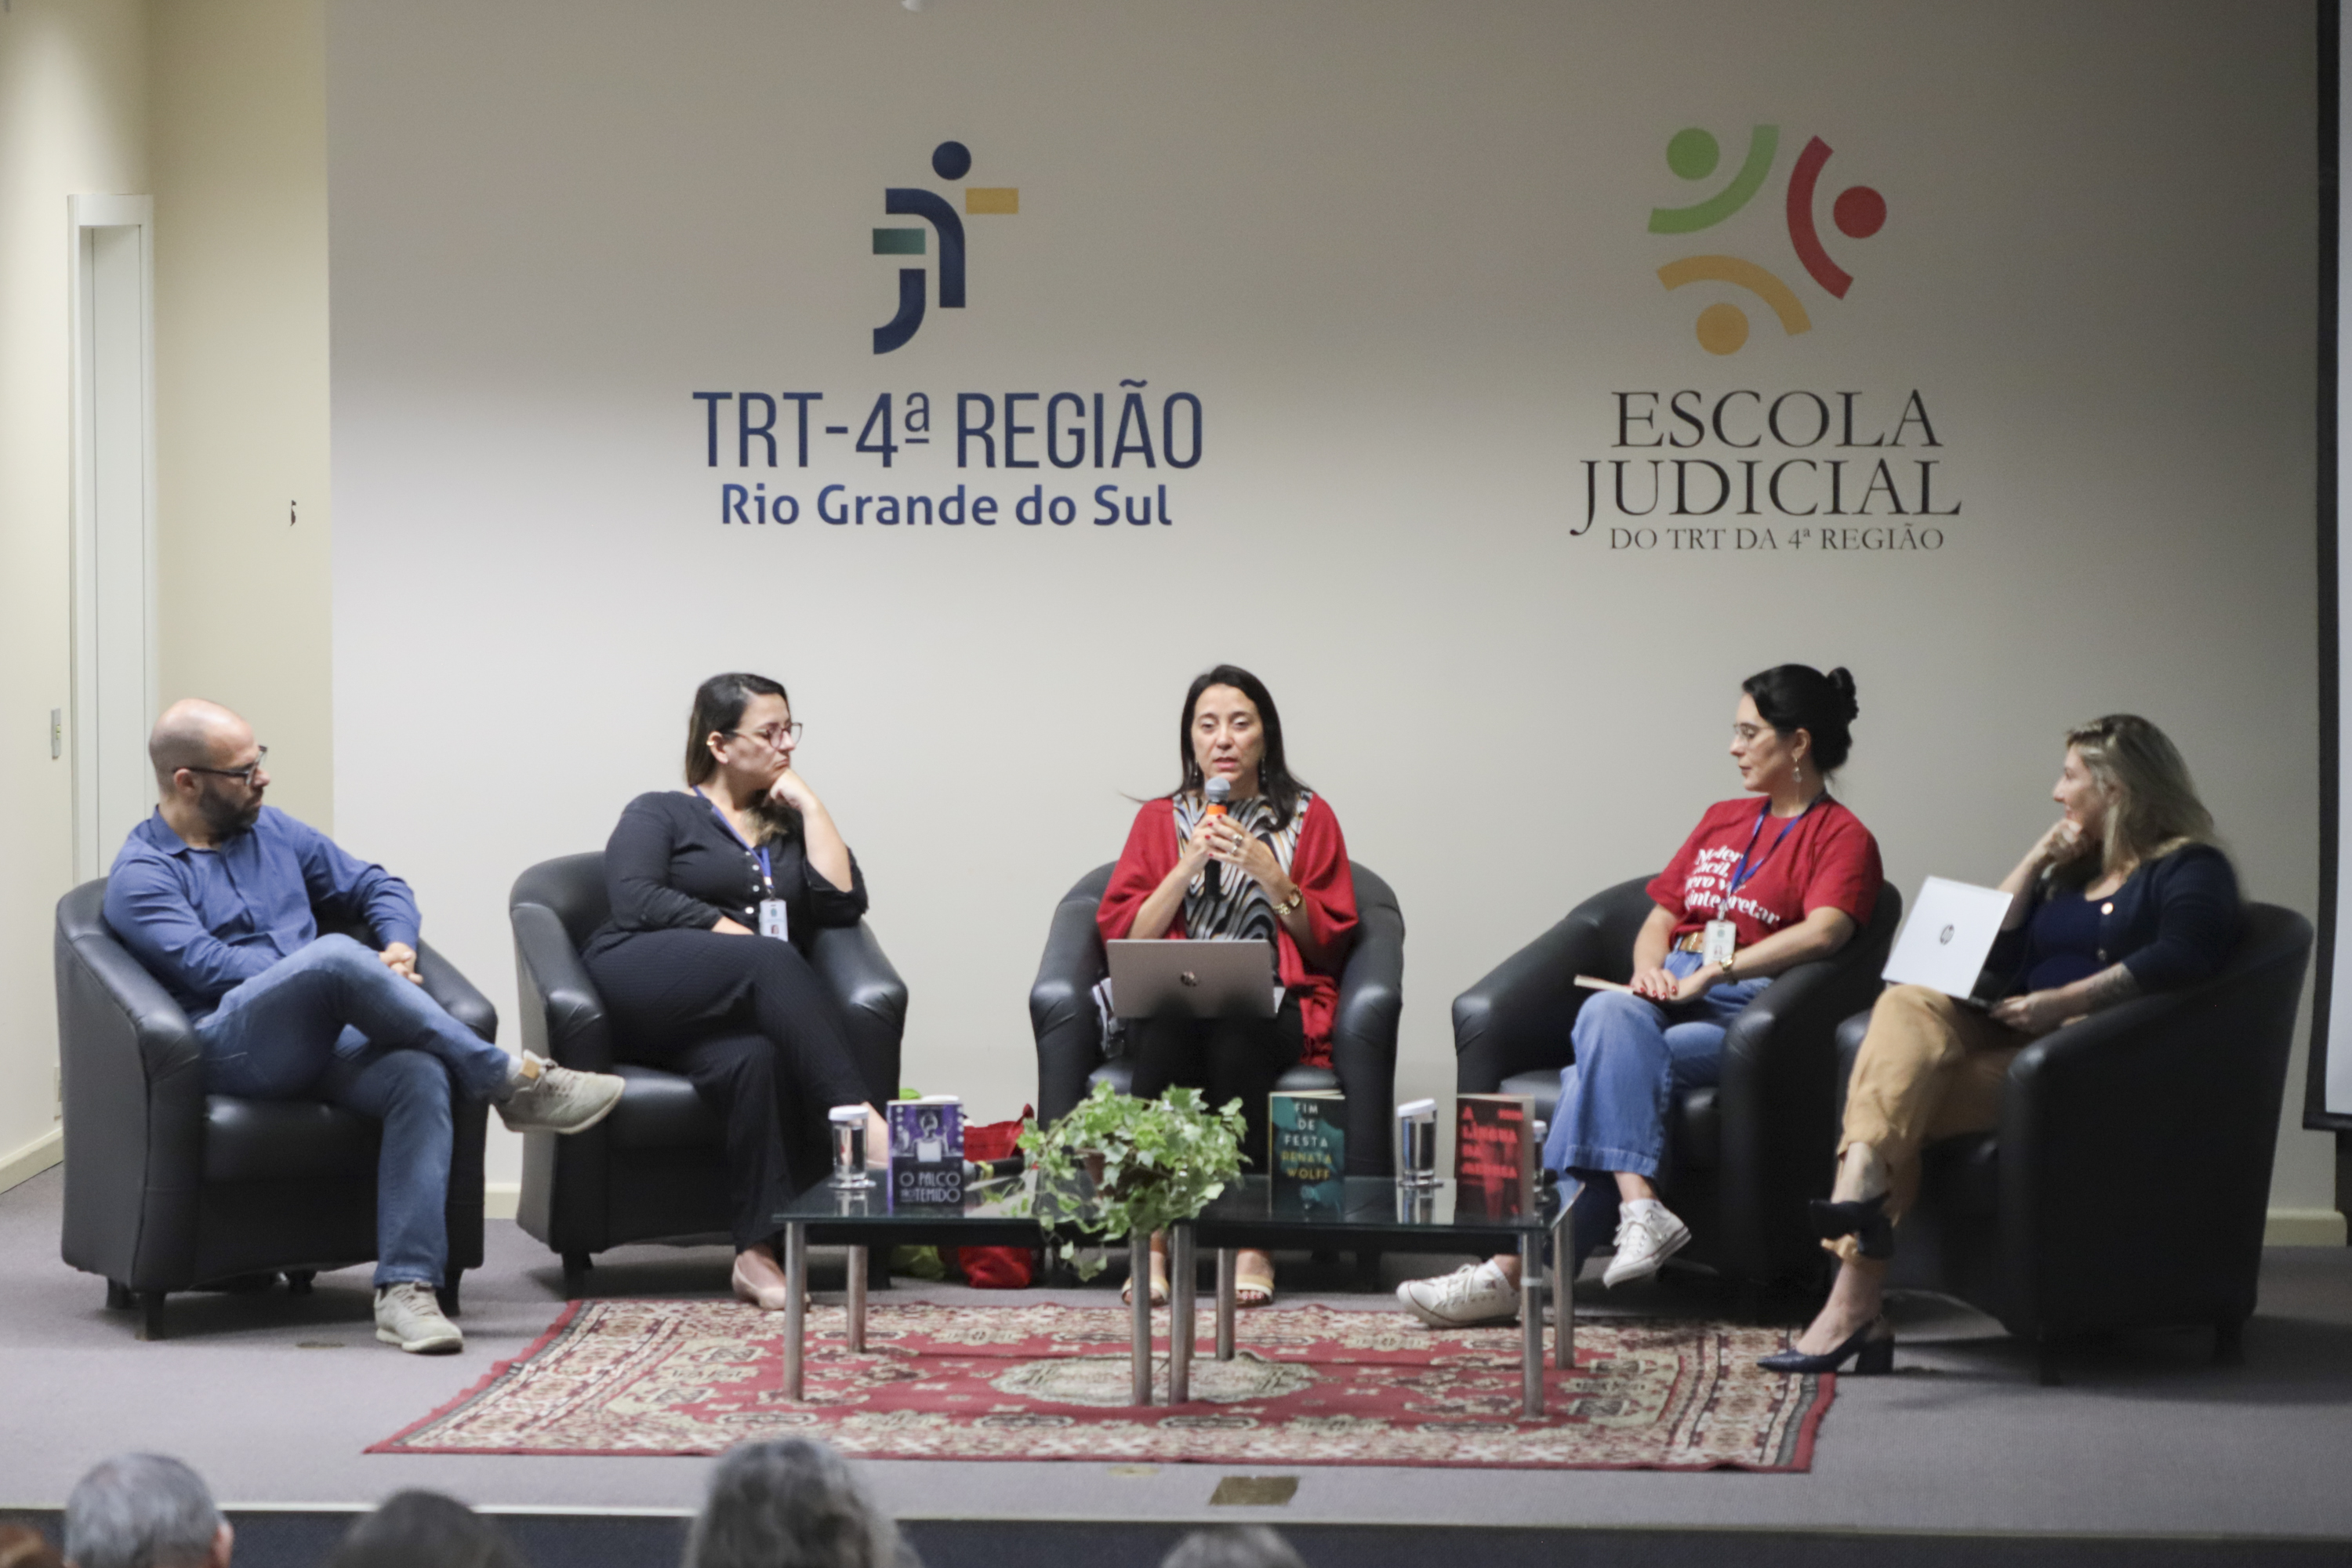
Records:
x=1946, y=937
x=1231, y=978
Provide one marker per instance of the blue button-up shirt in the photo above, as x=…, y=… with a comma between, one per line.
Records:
x=204, y=922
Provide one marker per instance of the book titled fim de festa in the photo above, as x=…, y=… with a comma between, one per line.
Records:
x=1307, y=1134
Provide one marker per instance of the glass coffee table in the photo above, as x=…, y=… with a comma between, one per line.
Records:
x=1361, y=1212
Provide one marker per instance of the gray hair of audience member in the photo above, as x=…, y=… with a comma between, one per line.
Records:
x=412, y=1528
x=790, y=1503
x=1233, y=1546
x=141, y=1510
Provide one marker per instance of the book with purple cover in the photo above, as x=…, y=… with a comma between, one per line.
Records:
x=927, y=1151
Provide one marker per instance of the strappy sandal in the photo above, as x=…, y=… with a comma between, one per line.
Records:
x=1254, y=1289
x=1159, y=1283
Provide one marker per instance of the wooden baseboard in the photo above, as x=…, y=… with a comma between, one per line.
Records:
x=2304, y=1227
x=32, y=1159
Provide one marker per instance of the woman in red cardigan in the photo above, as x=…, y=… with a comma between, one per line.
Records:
x=1271, y=867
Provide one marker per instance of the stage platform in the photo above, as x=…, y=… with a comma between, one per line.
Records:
x=2146, y=1453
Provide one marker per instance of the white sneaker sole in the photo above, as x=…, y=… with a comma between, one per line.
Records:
x=431, y=1344
x=1615, y=1276
x=1435, y=1320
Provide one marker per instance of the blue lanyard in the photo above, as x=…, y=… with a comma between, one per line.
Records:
x=767, y=877
x=1742, y=874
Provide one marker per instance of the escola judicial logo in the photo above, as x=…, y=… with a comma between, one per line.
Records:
x=1692, y=154
x=951, y=161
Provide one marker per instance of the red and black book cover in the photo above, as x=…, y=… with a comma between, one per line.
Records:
x=1495, y=1155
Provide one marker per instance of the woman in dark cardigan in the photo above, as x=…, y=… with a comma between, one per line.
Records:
x=2125, y=894
x=717, y=890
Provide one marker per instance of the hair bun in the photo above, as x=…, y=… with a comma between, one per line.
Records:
x=1841, y=681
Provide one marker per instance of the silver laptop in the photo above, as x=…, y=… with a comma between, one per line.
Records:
x=1231, y=978
x=1946, y=937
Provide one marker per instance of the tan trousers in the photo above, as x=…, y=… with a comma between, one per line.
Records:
x=1928, y=1069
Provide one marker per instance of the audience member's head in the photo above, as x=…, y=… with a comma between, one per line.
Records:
x=414, y=1529
x=1233, y=1546
x=144, y=1510
x=21, y=1546
x=790, y=1503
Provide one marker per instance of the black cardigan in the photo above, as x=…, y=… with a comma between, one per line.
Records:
x=2172, y=923
x=673, y=864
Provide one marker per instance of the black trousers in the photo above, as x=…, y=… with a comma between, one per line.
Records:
x=760, y=1036
x=1224, y=1058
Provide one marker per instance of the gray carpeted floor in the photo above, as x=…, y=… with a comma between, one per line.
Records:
x=273, y=1398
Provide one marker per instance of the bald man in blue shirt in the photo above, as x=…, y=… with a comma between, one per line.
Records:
x=214, y=894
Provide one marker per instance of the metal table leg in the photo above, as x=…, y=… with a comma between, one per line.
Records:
x=1531, y=1388
x=1179, y=1314
x=1226, y=1264
x=1139, y=1254
x=857, y=1299
x=1563, y=1290
x=796, y=1307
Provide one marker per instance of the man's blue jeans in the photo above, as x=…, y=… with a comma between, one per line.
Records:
x=1633, y=1057
x=331, y=1022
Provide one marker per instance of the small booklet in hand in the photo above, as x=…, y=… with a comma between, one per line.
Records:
x=927, y=1151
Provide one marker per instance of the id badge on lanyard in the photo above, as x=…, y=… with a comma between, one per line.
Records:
x=1720, y=944
x=773, y=920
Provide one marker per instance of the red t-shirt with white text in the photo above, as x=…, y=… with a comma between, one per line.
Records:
x=1826, y=859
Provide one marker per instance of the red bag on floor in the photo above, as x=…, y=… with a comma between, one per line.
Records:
x=995, y=1267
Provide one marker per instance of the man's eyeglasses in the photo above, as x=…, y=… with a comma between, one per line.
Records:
x=260, y=755
x=772, y=736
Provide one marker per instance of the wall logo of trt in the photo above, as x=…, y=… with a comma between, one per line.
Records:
x=951, y=161
x=1692, y=154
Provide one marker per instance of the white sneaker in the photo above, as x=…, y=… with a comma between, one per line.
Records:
x=1473, y=1293
x=409, y=1315
x=558, y=1099
x=1647, y=1235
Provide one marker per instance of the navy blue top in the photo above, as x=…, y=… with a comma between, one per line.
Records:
x=204, y=922
x=2172, y=923
x=674, y=864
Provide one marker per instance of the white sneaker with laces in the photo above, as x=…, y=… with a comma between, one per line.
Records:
x=1473, y=1293
x=1647, y=1235
x=558, y=1099
x=409, y=1315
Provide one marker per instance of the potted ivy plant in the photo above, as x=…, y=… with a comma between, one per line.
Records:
x=1121, y=1168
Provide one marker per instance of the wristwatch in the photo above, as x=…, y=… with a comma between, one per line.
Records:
x=1297, y=897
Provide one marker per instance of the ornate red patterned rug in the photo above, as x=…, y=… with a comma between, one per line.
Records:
x=1310, y=1387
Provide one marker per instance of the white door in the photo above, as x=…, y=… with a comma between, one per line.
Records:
x=114, y=523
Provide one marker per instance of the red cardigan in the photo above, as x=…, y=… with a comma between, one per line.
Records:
x=1320, y=866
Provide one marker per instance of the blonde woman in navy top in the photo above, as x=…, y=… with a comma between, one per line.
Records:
x=2125, y=894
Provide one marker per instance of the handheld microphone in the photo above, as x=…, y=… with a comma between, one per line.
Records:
x=1215, y=792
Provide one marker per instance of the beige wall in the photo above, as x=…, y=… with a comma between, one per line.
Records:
x=218, y=111
x=73, y=118
x=238, y=102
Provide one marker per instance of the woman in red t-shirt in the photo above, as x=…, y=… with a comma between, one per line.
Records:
x=1271, y=866
x=1757, y=887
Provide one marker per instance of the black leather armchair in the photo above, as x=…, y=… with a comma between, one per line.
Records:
x=2128, y=1183
x=1068, y=1027
x=655, y=1170
x=168, y=1188
x=1746, y=1154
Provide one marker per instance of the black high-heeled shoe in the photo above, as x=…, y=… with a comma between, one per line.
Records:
x=1863, y=1218
x=1870, y=1355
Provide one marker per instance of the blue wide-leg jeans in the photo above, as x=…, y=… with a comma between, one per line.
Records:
x=1633, y=1057
x=333, y=1022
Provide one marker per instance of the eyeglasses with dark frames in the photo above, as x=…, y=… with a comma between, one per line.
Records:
x=769, y=735
x=260, y=755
